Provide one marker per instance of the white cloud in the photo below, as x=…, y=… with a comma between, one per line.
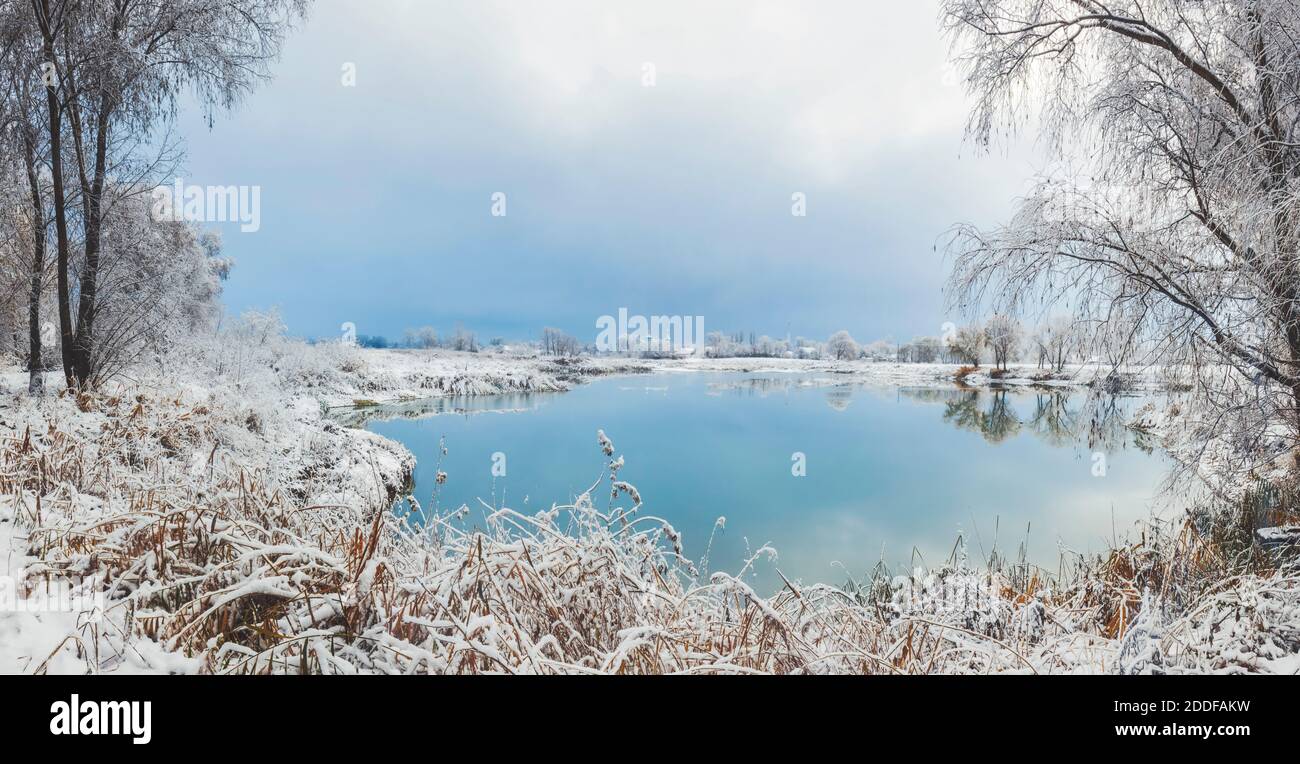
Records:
x=677, y=192
x=830, y=84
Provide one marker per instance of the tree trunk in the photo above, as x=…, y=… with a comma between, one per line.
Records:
x=1293, y=345
x=84, y=345
x=35, y=364
x=83, y=352
x=60, y=203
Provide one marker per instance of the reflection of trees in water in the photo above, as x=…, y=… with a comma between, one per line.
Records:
x=750, y=386
x=935, y=394
x=996, y=422
x=1108, y=424
x=427, y=407
x=1053, y=420
x=1102, y=418
x=839, y=397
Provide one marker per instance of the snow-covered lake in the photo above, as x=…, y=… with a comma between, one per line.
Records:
x=892, y=474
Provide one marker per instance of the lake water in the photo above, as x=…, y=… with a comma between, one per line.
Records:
x=892, y=474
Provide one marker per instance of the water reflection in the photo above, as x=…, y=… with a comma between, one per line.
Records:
x=995, y=420
x=763, y=386
x=427, y=407
x=839, y=397
x=1058, y=418
x=1054, y=421
x=715, y=445
x=1108, y=418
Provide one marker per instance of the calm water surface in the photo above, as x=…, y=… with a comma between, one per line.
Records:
x=893, y=474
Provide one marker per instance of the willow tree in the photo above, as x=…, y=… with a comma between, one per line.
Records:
x=1168, y=223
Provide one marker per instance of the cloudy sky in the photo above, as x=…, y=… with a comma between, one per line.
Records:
x=671, y=199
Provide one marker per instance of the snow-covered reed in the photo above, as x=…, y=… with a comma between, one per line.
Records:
x=220, y=563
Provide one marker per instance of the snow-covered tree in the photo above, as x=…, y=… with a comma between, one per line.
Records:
x=557, y=342
x=966, y=344
x=1170, y=219
x=162, y=285
x=1053, y=342
x=1002, y=335
x=116, y=72
x=841, y=346
x=463, y=340
x=23, y=184
x=921, y=350
x=424, y=338
x=880, y=349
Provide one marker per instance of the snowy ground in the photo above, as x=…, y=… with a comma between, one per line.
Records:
x=238, y=528
x=389, y=376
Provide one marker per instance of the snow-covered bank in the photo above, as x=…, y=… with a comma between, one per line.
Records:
x=233, y=527
x=388, y=376
x=890, y=373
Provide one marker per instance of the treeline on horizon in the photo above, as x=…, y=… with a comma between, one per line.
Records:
x=1001, y=339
